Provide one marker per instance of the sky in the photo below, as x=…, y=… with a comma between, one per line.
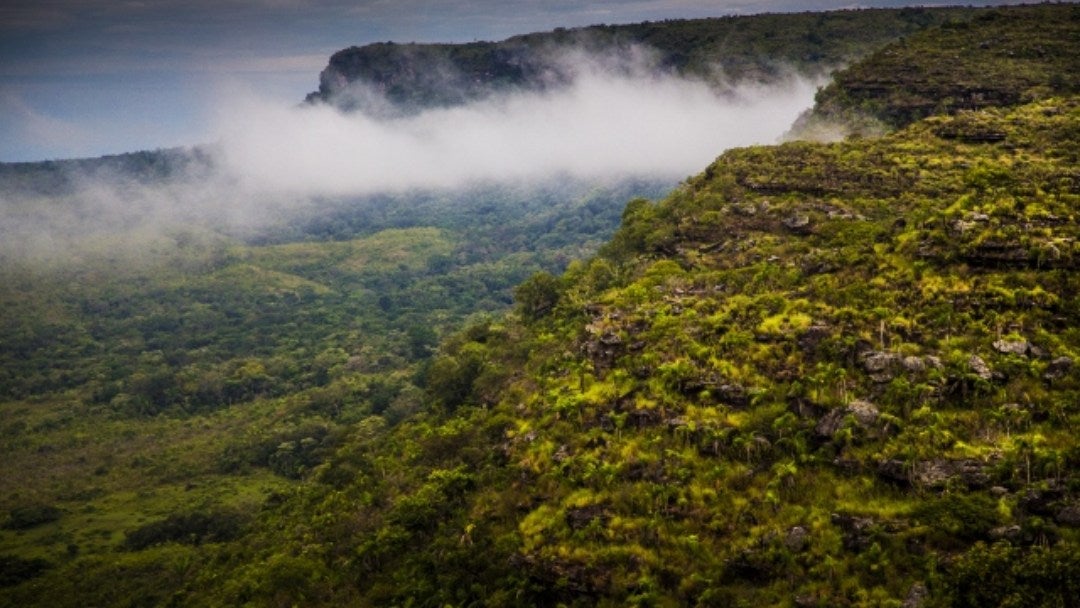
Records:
x=83, y=78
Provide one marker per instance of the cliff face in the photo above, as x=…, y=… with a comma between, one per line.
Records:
x=431, y=75
x=727, y=50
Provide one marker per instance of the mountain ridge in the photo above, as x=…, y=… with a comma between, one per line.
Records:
x=1001, y=57
x=724, y=51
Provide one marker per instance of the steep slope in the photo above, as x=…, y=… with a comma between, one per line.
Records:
x=817, y=375
x=1002, y=57
x=157, y=386
x=831, y=375
x=757, y=48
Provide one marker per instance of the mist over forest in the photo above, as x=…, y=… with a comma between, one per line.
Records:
x=267, y=163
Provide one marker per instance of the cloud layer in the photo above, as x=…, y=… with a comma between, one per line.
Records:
x=601, y=126
x=271, y=162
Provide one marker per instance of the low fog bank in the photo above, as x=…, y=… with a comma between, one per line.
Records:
x=270, y=164
x=600, y=126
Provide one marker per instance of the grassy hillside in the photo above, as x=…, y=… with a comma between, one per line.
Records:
x=162, y=385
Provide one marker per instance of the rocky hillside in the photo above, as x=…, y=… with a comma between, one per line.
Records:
x=753, y=48
x=819, y=375
x=1003, y=57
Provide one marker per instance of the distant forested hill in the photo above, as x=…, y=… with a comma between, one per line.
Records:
x=65, y=177
x=724, y=51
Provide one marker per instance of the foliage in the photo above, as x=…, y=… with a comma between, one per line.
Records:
x=1004, y=575
x=537, y=296
x=30, y=516
x=190, y=528
x=15, y=570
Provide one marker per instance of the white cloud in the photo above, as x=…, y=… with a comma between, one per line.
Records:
x=601, y=126
x=276, y=161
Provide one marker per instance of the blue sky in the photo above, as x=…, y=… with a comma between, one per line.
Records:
x=91, y=77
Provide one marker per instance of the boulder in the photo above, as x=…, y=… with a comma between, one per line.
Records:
x=1041, y=501
x=914, y=364
x=580, y=517
x=1009, y=533
x=916, y=596
x=875, y=361
x=812, y=336
x=980, y=368
x=857, y=531
x=881, y=366
x=796, y=539
x=937, y=473
x=863, y=413
x=561, y=454
x=1012, y=347
x=1068, y=515
x=1058, y=368
x=798, y=223
x=733, y=394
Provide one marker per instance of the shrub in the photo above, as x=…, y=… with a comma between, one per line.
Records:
x=14, y=569
x=188, y=528
x=1007, y=576
x=31, y=516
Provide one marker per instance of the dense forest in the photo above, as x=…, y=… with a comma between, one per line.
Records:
x=814, y=374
